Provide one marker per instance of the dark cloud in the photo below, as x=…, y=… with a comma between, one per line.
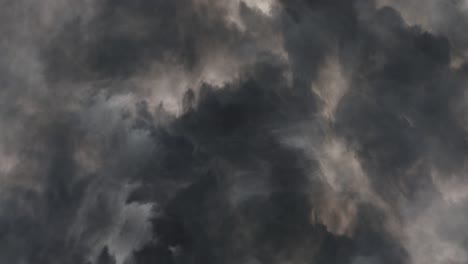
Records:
x=124, y=38
x=448, y=18
x=104, y=160
x=207, y=221
x=409, y=88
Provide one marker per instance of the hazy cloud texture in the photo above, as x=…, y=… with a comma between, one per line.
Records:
x=233, y=131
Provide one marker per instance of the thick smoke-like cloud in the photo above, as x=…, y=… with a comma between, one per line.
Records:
x=230, y=131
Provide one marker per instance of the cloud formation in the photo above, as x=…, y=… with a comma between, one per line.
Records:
x=202, y=131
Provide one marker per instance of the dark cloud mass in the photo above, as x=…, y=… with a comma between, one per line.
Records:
x=233, y=131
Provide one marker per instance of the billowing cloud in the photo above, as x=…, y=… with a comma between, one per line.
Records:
x=203, y=131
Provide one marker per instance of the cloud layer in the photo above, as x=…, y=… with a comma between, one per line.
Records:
x=230, y=131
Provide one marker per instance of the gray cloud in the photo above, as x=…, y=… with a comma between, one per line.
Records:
x=199, y=131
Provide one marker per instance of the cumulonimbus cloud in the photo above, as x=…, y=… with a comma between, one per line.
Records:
x=203, y=131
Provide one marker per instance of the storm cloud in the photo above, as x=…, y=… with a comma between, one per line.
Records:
x=233, y=131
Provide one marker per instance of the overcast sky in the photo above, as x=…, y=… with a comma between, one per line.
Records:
x=233, y=131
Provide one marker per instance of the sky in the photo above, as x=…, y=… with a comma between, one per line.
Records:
x=233, y=131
